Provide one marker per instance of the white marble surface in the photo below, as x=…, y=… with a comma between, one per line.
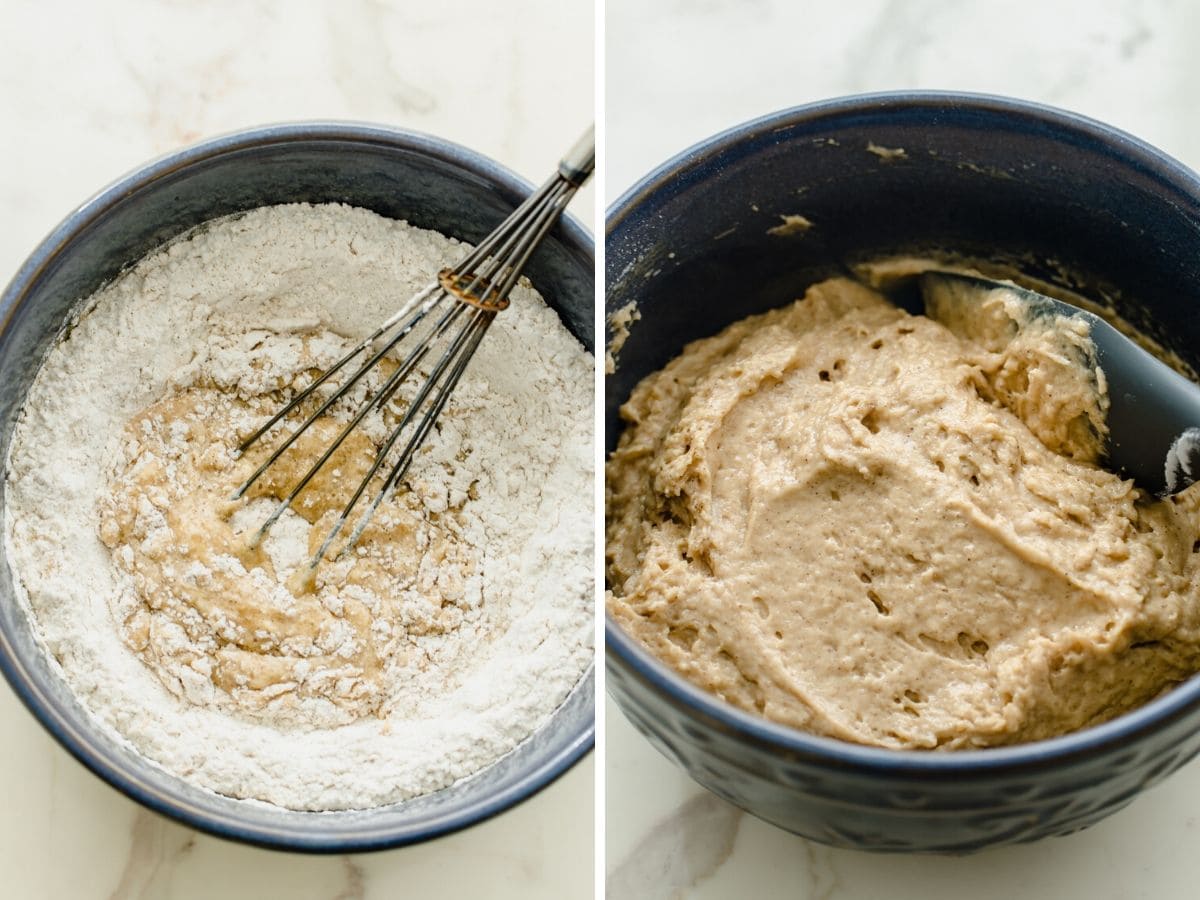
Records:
x=679, y=71
x=89, y=91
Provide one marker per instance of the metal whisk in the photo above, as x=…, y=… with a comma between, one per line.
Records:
x=467, y=296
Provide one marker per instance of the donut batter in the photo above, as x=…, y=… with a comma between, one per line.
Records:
x=875, y=527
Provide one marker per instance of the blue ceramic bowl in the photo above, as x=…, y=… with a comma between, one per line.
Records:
x=431, y=183
x=1045, y=190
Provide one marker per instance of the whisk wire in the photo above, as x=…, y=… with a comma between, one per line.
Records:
x=385, y=393
x=342, y=390
x=426, y=423
x=487, y=247
x=480, y=327
x=424, y=294
x=538, y=230
x=498, y=261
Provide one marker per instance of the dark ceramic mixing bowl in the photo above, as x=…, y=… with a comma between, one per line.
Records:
x=1049, y=191
x=429, y=182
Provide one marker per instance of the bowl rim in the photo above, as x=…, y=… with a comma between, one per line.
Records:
x=665, y=178
x=577, y=239
x=622, y=650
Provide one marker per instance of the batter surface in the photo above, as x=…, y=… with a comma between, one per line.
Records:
x=875, y=527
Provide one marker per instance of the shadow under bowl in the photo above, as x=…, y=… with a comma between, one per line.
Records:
x=1060, y=197
x=432, y=184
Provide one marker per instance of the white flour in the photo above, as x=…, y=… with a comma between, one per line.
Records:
x=519, y=427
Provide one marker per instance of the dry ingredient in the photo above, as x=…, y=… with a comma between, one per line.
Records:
x=448, y=635
x=893, y=530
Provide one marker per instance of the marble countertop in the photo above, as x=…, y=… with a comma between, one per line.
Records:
x=90, y=91
x=1128, y=63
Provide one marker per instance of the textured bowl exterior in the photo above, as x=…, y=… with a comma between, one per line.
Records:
x=404, y=175
x=1062, y=197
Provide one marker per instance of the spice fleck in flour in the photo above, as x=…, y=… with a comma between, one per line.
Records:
x=453, y=628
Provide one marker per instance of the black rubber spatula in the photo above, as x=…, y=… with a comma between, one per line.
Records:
x=1154, y=412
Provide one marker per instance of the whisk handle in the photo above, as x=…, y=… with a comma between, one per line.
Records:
x=577, y=166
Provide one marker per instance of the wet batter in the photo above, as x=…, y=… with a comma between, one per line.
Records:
x=873, y=526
